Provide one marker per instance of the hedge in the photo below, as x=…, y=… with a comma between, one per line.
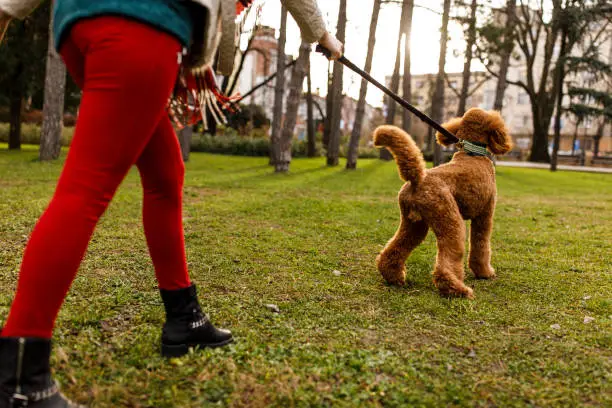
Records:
x=229, y=144
x=30, y=134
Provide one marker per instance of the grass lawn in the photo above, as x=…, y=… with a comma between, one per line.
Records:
x=255, y=238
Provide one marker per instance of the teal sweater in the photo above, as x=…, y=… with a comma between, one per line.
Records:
x=172, y=16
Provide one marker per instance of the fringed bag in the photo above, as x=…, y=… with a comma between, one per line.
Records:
x=196, y=91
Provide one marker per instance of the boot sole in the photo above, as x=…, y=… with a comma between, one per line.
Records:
x=179, y=350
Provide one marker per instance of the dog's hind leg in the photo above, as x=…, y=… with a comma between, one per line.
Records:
x=450, y=234
x=391, y=260
x=480, y=245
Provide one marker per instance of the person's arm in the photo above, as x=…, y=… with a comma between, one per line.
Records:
x=307, y=15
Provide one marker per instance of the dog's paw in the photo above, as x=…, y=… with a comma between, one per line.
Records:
x=392, y=272
x=453, y=289
x=464, y=291
x=483, y=271
x=394, y=280
x=394, y=276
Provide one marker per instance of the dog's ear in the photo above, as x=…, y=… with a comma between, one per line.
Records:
x=452, y=126
x=499, y=141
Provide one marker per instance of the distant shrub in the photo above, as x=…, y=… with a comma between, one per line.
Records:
x=239, y=146
x=30, y=134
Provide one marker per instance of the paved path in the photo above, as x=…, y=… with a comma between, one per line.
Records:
x=532, y=165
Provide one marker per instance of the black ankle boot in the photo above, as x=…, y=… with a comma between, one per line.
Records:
x=186, y=326
x=25, y=375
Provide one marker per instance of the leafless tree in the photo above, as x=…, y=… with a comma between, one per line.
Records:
x=53, y=106
x=353, y=150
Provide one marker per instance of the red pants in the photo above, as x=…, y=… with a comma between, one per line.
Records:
x=126, y=71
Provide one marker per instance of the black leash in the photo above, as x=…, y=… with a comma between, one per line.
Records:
x=267, y=81
x=393, y=95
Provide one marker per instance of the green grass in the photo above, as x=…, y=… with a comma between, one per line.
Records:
x=255, y=238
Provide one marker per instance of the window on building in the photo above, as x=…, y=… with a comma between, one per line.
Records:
x=453, y=84
x=525, y=120
x=523, y=98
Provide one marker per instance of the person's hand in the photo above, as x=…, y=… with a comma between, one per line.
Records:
x=5, y=19
x=330, y=42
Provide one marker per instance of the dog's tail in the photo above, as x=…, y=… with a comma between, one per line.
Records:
x=408, y=157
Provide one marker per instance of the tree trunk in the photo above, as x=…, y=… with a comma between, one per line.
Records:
x=329, y=106
x=467, y=66
x=312, y=139
x=539, y=147
x=391, y=105
x=395, y=77
x=334, y=136
x=53, y=107
x=185, y=135
x=279, y=91
x=211, y=123
x=407, y=78
x=575, y=137
x=16, y=100
x=505, y=56
x=437, y=108
x=234, y=77
x=291, y=111
x=353, y=151
x=597, y=138
x=559, y=77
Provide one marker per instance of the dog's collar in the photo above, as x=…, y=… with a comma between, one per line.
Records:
x=473, y=148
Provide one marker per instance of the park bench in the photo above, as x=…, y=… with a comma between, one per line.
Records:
x=569, y=159
x=602, y=161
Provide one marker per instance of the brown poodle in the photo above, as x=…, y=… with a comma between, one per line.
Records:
x=443, y=197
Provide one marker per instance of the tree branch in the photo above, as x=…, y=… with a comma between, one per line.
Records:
x=516, y=83
x=480, y=84
x=455, y=91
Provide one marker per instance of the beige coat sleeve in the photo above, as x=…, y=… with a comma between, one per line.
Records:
x=18, y=8
x=307, y=15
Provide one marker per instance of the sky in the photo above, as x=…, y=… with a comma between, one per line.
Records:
x=425, y=42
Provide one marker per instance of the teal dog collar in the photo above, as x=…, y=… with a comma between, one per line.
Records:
x=474, y=148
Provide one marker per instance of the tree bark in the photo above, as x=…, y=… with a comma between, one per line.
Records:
x=211, y=123
x=395, y=78
x=312, y=139
x=437, y=108
x=575, y=137
x=502, y=83
x=291, y=111
x=329, y=106
x=539, y=147
x=333, y=150
x=559, y=77
x=597, y=138
x=279, y=91
x=185, y=135
x=407, y=78
x=353, y=151
x=467, y=66
x=16, y=100
x=53, y=106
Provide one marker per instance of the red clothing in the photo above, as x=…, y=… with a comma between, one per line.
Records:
x=127, y=71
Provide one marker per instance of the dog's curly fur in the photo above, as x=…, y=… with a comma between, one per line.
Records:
x=442, y=198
